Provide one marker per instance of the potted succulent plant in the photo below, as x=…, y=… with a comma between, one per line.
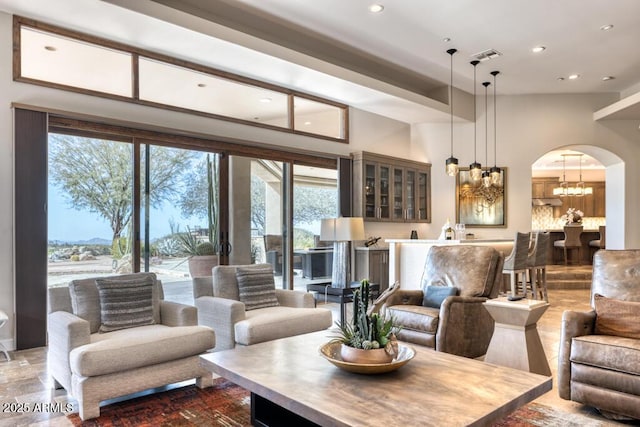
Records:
x=202, y=255
x=370, y=338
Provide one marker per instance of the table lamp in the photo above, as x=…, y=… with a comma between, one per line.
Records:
x=342, y=231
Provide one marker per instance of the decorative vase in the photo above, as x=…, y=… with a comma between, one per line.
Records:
x=370, y=357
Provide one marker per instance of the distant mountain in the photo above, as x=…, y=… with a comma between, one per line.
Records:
x=90, y=242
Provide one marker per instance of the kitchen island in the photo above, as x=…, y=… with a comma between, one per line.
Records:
x=407, y=256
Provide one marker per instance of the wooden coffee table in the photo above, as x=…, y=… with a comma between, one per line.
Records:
x=291, y=384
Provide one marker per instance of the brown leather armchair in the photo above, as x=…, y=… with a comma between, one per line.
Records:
x=461, y=325
x=597, y=369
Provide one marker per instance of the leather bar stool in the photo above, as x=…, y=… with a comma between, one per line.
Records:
x=571, y=241
x=515, y=265
x=538, y=266
x=3, y=320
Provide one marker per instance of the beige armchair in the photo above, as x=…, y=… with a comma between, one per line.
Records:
x=458, y=324
x=218, y=299
x=137, y=353
x=599, y=355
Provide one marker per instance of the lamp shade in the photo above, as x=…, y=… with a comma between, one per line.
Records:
x=343, y=229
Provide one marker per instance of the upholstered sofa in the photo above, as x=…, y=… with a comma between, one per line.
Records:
x=220, y=307
x=156, y=343
x=458, y=323
x=599, y=355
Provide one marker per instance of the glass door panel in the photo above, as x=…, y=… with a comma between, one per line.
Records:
x=315, y=196
x=422, y=196
x=370, y=191
x=89, y=208
x=385, y=183
x=398, y=201
x=410, y=193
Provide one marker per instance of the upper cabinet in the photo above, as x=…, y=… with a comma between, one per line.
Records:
x=391, y=189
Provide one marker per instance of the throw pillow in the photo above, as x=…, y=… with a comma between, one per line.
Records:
x=256, y=288
x=125, y=303
x=617, y=317
x=435, y=295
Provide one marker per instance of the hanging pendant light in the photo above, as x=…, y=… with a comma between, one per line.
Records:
x=580, y=184
x=486, y=176
x=563, y=189
x=495, y=171
x=475, y=168
x=451, y=163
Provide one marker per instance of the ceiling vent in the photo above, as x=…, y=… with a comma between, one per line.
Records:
x=486, y=55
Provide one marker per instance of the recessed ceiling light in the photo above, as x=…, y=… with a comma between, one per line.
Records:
x=307, y=123
x=538, y=49
x=605, y=78
x=201, y=85
x=606, y=27
x=560, y=78
x=51, y=48
x=573, y=76
x=446, y=39
x=265, y=100
x=376, y=8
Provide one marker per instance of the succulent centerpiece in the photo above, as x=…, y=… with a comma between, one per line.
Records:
x=370, y=338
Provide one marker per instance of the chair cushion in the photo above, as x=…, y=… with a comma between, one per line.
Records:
x=607, y=352
x=256, y=288
x=125, y=303
x=435, y=295
x=85, y=299
x=266, y=324
x=132, y=348
x=617, y=317
x=415, y=317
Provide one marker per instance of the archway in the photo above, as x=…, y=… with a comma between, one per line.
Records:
x=614, y=168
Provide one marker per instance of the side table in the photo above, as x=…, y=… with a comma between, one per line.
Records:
x=515, y=342
x=340, y=295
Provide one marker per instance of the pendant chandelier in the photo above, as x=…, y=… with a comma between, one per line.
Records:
x=451, y=163
x=495, y=170
x=475, y=168
x=565, y=189
x=486, y=176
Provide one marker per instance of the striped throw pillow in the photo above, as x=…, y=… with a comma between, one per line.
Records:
x=256, y=288
x=125, y=303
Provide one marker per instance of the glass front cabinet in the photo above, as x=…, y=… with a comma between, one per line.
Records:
x=391, y=189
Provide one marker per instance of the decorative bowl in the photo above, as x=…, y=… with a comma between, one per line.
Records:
x=331, y=352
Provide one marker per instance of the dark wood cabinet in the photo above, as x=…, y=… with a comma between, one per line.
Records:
x=373, y=264
x=391, y=189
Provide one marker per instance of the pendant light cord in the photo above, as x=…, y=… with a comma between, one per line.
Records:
x=495, y=121
x=451, y=52
x=475, y=123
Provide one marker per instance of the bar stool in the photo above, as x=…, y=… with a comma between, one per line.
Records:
x=516, y=263
x=600, y=242
x=3, y=320
x=571, y=241
x=538, y=266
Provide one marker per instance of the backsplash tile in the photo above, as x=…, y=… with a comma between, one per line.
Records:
x=542, y=219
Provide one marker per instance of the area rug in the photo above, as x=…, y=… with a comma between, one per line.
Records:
x=226, y=404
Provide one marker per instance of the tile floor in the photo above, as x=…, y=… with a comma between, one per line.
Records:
x=24, y=380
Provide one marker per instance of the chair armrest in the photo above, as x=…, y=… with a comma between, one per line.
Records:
x=175, y=314
x=290, y=298
x=402, y=297
x=574, y=324
x=465, y=327
x=65, y=332
x=220, y=314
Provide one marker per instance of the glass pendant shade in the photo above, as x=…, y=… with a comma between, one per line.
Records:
x=486, y=179
x=494, y=172
x=475, y=171
x=452, y=166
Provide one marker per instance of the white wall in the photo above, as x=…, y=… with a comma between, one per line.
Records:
x=528, y=127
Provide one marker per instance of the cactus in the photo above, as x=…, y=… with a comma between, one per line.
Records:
x=366, y=331
x=205, y=248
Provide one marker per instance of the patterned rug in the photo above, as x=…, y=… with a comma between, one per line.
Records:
x=226, y=404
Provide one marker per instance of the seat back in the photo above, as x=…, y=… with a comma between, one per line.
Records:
x=572, y=235
x=517, y=260
x=474, y=270
x=273, y=242
x=225, y=284
x=616, y=274
x=543, y=249
x=603, y=231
